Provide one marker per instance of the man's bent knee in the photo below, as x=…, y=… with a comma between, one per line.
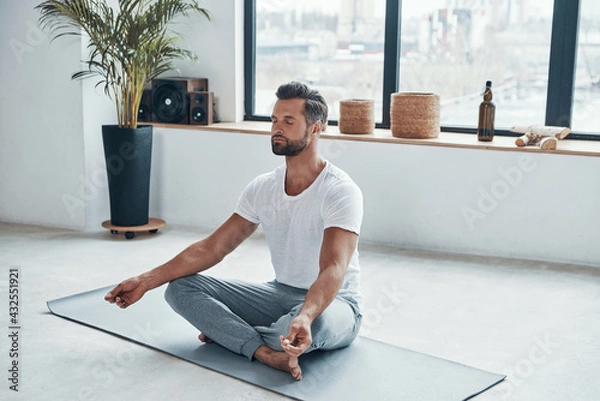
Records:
x=337, y=330
x=175, y=290
x=182, y=288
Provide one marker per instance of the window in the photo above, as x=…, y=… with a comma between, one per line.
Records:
x=373, y=48
x=453, y=50
x=586, y=99
x=336, y=46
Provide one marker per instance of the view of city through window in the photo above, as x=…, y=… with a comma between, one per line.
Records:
x=449, y=47
x=453, y=47
x=586, y=100
x=335, y=46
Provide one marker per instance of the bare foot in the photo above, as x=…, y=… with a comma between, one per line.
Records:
x=204, y=339
x=279, y=360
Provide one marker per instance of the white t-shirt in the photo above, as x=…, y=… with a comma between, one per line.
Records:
x=294, y=225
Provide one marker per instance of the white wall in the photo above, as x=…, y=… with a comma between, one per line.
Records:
x=509, y=204
x=198, y=175
x=52, y=169
x=219, y=46
x=41, y=146
x=475, y=201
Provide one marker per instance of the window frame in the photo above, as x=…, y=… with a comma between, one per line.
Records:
x=561, y=70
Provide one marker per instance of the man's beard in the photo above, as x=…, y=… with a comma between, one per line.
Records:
x=289, y=148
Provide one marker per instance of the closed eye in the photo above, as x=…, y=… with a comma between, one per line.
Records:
x=286, y=120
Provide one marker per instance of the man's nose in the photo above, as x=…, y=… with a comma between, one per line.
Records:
x=276, y=128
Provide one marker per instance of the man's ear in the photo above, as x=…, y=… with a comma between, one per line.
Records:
x=317, y=127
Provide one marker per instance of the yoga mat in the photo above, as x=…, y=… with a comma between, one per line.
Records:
x=367, y=369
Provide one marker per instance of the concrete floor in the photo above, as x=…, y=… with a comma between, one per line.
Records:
x=536, y=322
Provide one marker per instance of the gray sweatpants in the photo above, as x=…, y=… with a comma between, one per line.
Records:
x=243, y=316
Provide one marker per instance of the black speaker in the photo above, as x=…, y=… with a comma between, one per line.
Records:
x=145, y=110
x=170, y=101
x=201, y=108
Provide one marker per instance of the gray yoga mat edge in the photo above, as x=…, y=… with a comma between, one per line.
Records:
x=317, y=366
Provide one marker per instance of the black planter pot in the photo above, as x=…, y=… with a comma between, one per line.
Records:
x=128, y=154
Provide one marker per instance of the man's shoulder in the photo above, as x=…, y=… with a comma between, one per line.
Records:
x=270, y=176
x=340, y=184
x=337, y=176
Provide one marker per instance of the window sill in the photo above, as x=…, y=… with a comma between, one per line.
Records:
x=445, y=139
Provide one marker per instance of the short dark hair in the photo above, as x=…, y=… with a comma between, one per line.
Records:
x=315, y=108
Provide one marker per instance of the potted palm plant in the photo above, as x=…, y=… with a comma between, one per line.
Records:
x=130, y=44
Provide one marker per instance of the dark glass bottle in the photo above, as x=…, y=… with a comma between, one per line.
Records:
x=487, y=113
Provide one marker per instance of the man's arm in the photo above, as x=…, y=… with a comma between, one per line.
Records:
x=336, y=251
x=198, y=257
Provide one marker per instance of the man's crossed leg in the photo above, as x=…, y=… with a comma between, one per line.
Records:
x=254, y=319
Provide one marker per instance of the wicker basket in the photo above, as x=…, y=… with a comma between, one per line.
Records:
x=415, y=115
x=356, y=116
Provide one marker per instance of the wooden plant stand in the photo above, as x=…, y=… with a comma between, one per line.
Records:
x=152, y=227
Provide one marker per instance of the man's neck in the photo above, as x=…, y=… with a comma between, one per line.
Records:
x=302, y=170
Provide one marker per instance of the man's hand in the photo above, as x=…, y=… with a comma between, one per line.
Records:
x=299, y=337
x=126, y=293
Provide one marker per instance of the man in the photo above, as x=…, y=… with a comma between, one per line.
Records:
x=311, y=213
